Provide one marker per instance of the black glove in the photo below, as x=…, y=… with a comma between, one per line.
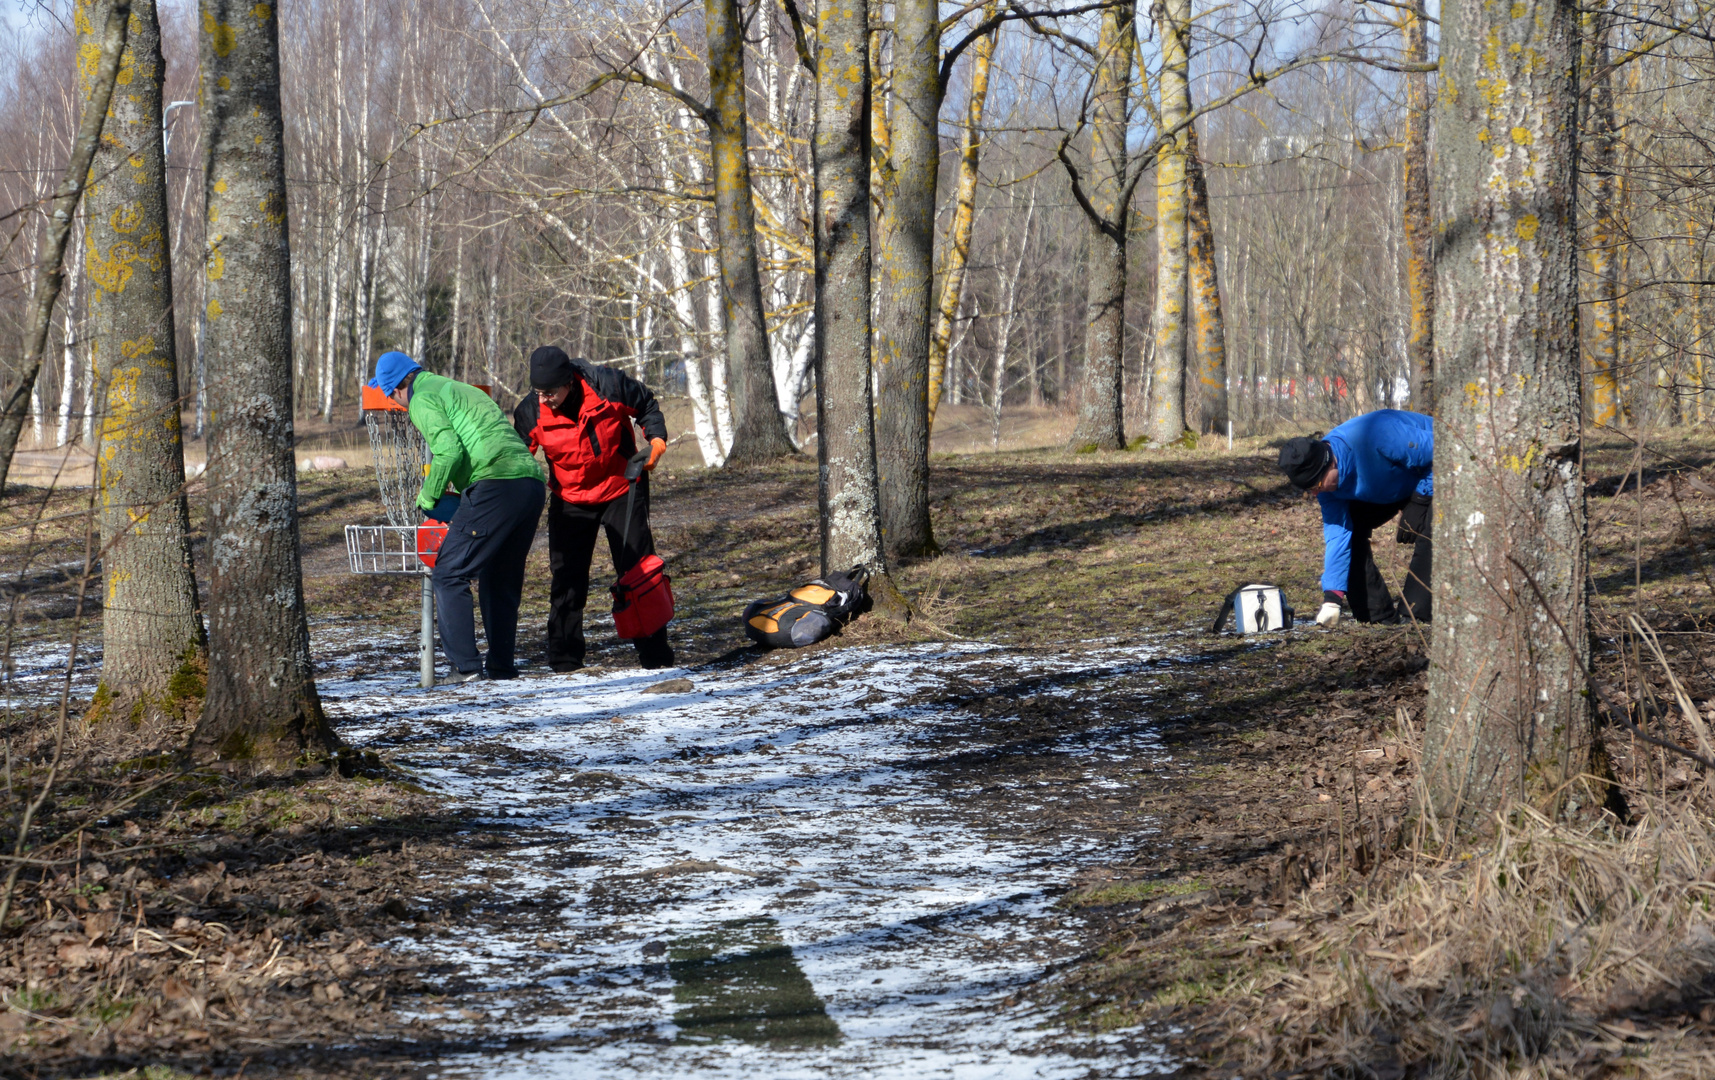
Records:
x=1414, y=519
x=443, y=510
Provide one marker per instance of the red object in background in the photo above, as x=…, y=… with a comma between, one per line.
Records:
x=430, y=535
x=643, y=599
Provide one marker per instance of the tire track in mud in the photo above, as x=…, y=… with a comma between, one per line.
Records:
x=841, y=864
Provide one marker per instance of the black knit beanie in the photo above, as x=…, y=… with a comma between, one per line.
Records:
x=1305, y=460
x=550, y=368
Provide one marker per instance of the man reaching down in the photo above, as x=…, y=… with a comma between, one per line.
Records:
x=1363, y=473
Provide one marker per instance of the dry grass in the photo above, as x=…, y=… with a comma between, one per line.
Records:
x=1558, y=948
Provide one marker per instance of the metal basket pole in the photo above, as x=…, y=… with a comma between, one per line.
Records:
x=426, y=648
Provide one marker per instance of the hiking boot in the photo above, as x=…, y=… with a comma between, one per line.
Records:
x=458, y=678
x=654, y=652
x=564, y=666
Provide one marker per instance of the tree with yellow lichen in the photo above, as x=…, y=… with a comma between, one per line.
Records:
x=1211, y=339
x=1419, y=236
x=151, y=625
x=964, y=213
x=1507, y=717
x=1173, y=263
x=100, y=71
x=1603, y=235
x=759, y=430
x=262, y=704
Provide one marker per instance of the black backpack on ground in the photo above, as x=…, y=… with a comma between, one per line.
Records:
x=812, y=611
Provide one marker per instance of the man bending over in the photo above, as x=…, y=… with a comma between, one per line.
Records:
x=1363, y=473
x=500, y=487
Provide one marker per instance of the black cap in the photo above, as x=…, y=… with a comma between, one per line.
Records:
x=551, y=368
x=1304, y=461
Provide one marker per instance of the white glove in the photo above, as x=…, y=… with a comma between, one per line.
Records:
x=1329, y=615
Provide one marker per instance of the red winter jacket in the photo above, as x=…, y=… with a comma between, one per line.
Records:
x=588, y=439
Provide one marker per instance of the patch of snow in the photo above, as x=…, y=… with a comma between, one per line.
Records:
x=805, y=798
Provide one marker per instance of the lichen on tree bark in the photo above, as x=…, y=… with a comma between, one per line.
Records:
x=262, y=702
x=759, y=429
x=1173, y=269
x=150, y=616
x=1507, y=717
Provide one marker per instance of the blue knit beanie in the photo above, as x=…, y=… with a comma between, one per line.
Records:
x=391, y=369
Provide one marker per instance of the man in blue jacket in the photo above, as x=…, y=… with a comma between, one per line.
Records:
x=1363, y=473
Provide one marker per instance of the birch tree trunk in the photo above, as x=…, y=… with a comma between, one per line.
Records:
x=759, y=431
x=1507, y=717
x=1419, y=232
x=964, y=215
x=151, y=624
x=1101, y=409
x=1205, y=297
x=849, y=508
x=99, y=73
x=68, y=360
x=262, y=703
x=1597, y=147
x=905, y=272
x=1172, y=261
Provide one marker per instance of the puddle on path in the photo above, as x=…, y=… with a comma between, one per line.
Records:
x=786, y=870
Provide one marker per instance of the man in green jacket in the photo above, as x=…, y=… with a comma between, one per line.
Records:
x=492, y=520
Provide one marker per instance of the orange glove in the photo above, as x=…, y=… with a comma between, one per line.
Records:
x=657, y=447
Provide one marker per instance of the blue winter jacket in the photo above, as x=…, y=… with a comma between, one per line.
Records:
x=1383, y=457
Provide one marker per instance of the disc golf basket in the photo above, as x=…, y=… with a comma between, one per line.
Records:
x=403, y=545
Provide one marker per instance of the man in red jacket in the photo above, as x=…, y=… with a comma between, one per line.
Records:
x=580, y=417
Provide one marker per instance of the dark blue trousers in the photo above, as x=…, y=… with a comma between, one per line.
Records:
x=488, y=541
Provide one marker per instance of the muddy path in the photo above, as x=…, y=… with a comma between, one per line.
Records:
x=838, y=864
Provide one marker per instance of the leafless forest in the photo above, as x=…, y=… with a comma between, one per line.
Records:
x=437, y=208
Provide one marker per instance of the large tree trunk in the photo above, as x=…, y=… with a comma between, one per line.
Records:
x=904, y=273
x=1419, y=232
x=1507, y=716
x=1205, y=297
x=964, y=215
x=1172, y=260
x=262, y=703
x=759, y=431
x=1101, y=409
x=1600, y=262
x=151, y=624
x=849, y=503
x=98, y=74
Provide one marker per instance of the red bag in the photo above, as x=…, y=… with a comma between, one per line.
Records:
x=430, y=535
x=643, y=599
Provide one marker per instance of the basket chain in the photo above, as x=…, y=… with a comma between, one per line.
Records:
x=401, y=461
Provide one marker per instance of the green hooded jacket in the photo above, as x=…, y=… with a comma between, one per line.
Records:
x=470, y=438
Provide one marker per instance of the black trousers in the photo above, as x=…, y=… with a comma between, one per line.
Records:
x=488, y=539
x=1366, y=592
x=572, y=532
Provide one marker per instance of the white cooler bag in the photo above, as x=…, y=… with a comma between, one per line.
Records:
x=1255, y=610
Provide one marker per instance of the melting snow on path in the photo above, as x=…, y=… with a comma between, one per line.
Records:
x=762, y=873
